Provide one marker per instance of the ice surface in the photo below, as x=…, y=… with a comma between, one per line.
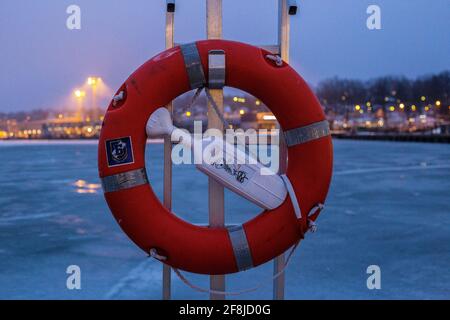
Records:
x=388, y=205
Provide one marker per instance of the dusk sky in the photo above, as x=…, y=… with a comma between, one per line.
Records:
x=41, y=61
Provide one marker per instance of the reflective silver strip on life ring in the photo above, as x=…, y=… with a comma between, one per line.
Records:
x=240, y=246
x=193, y=65
x=124, y=180
x=307, y=133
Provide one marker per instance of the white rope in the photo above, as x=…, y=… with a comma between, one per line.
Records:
x=225, y=293
x=118, y=97
x=292, y=195
x=194, y=98
x=277, y=59
x=154, y=254
x=213, y=103
x=312, y=227
x=216, y=108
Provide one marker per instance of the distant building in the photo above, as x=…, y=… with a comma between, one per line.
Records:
x=259, y=120
x=60, y=128
x=71, y=130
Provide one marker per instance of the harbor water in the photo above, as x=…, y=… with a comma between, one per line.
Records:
x=389, y=205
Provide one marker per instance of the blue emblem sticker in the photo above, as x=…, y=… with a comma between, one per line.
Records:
x=119, y=152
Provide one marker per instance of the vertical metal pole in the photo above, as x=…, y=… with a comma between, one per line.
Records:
x=284, y=29
x=95, y=116
x=80, y=109
x=215, y=190
x=283, y=42
x=167, y=193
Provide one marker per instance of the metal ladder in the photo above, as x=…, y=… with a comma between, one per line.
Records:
x=286, y=8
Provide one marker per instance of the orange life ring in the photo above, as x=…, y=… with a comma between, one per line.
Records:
x=121, y=159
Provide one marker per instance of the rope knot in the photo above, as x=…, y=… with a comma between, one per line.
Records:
x=312, y=226
x=275, y=58
x=154, y=254
x=118, y=97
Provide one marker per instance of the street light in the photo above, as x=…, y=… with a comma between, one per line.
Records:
x=93, y=83
x=79, y=94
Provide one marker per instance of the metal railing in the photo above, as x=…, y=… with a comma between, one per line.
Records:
x=215, y=190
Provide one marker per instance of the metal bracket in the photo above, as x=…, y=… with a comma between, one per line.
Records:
x=170, y=6
x=193, y=65
x=216, y=72
x=292, y=7
x=167, y=185
x=214, y=30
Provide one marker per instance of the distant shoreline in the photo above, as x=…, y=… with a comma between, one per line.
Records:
x=426, y=138
x=62, y=141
